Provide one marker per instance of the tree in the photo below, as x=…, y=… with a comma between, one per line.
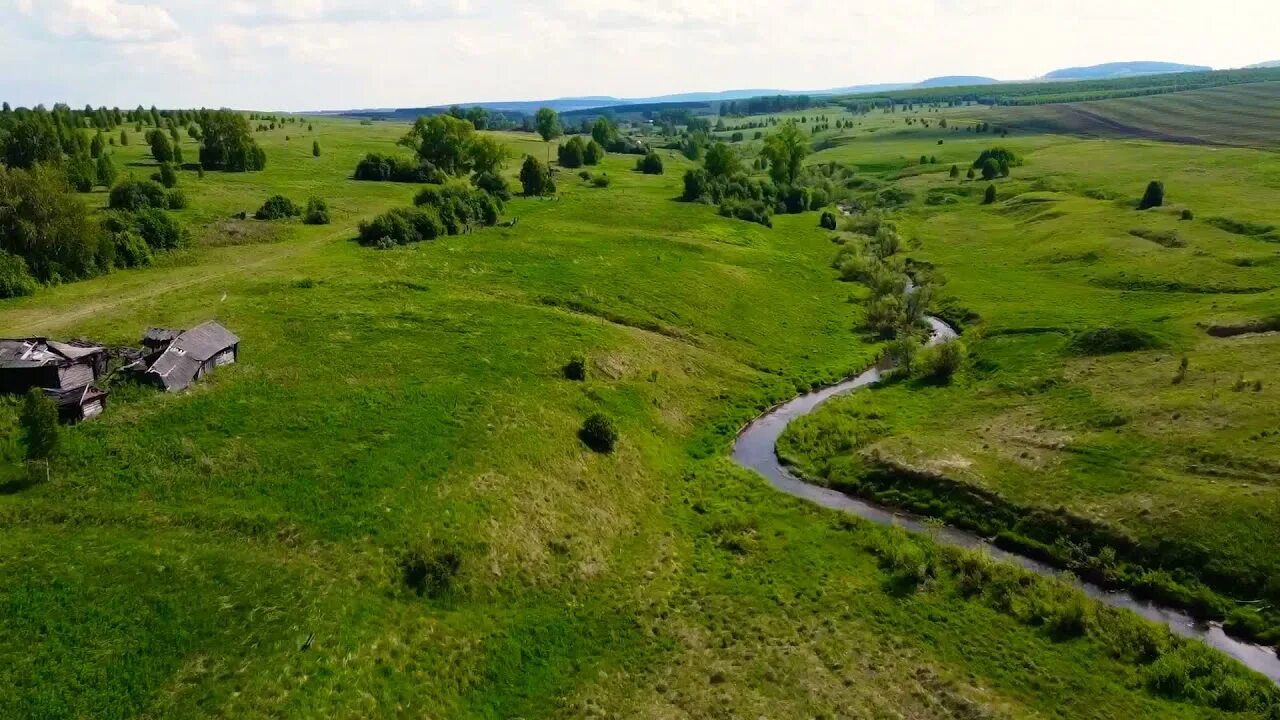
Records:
x=536, y=178
x=315, y=148
x=41, y=433
x=31, y=142
x=573, y=153
x=785, y=150
x=604, y=132
x=228, y=144
x=650, y=164
x=488, y=155
x=594, y=154
x=990, y=169
x=444, y=141
x=167, y=176
x=317, y=212
x=990, y=196
x=97, y=145
x=971, y=174
x=1154, y=196
x=547, y=121
x=45, y=224
x=599, y=434
x=955, y=171
x=124, y=137
x=161, y=149
x=721, y=161
x=106, y=170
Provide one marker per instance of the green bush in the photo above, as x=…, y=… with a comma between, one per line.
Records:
x=277, y=207
x=536, y=178
x=1109, y=340
x=600, y=181
x=177, y=200
x=317, y=212
x=15, y=280
x=134, y=195
x=160, y=230
x=751, y=211
x=492, y=183
x=599, y=433
x=168, y=177
x=1153, y=197
x=460, y=206
x=650, y=164
x=130, y=249
x=575, y=369
x=828, y=221
x=401, y=226
x=940, y=363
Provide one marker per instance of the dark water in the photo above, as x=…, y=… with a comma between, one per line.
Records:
x=756, y=449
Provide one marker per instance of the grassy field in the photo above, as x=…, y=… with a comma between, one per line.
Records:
x=238, y=550
x=1239, y=115
x=1183, y=471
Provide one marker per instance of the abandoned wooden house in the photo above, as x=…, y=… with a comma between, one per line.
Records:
x=79, y=404
x=178, y=358
x=42, y=363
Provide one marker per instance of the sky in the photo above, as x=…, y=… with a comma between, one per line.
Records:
x=340, y=54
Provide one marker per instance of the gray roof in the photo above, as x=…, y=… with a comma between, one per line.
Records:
x=177, y=366
x=39, y=352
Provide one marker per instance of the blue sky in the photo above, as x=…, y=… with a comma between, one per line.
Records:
x=330, y=54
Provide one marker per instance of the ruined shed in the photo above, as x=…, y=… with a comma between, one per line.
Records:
x=42, y=363
x=180, y=358
x=78, y=404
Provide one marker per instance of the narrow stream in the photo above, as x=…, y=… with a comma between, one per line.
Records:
x=756, y=449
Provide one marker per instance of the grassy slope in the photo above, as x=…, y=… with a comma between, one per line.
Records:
x=1242, y=115
x=188, y=545
x=1111, y=437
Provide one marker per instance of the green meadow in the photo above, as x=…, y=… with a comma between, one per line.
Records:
x=244, y=549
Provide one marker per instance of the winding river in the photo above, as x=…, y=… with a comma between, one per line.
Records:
x=756, y=449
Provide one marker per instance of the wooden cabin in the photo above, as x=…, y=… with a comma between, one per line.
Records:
x=79, y=404
x=178, y=358
x=49, y=364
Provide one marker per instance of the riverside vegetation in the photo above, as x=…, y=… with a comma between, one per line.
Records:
x=475, y=467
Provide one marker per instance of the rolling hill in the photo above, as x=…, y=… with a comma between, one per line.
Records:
x=1122, y=69
x=1237, y=115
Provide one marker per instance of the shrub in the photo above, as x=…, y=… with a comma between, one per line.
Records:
x=828, y=221
x=1153, y=197
x=388, y=168
x=130, y=249
x=134, y=195
x=989, y=197
x=177, y=200
x=1109, y=340
x=650, y=164
x=575, y=369
x=998, y=156
x=460, y=206
x=401, y=226
x=573, y=153
x=697, y=185
x=940, y=363
x=15, y=280
x=41, y=434
x=430, y=571
x=317, y=212
x=1188, y=215
x=600, y=181
x=492, y=183
x=167, y=176
x=277, y=207
x=749, y=210
x=594, y=153
x=536, y=178
x=599, y=433
x=159, y=229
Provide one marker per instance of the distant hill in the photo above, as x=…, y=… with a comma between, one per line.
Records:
x=1272, y=64
x=1122, y=69
x=956, y=81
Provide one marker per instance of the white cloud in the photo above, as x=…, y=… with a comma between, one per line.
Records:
x=303, y=54
x=103, y=20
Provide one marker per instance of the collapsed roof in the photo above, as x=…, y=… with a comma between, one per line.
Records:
x=188, y=354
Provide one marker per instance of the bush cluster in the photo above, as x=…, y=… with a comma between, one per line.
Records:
x=450, y=209
x=650, y=164
x=389, y=168
x=317, y=212
x=278, y=207
x=599, y=434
